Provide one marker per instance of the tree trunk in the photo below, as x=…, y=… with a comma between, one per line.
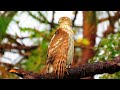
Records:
x=89, y=33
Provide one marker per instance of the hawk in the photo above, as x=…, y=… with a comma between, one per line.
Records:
x=61, y=48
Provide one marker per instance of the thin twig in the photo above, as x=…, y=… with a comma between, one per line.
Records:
x=75, y=16
x=52, y=22
x=45, y=19
x=109, y=18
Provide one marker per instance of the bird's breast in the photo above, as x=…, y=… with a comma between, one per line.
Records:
x=70, y=48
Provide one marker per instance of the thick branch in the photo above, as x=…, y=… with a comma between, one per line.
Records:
x=77, y=72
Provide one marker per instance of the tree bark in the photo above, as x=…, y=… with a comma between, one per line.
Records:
x=89, y=33
x=85, y=70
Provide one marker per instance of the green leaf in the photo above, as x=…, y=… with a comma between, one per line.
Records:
x=4, y=23
x=111, y=48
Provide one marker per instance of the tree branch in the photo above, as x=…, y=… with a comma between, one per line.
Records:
x=11, y=38
x=113, y=18
x=45, y=19
x=51, y=23
x=40, y=20
x=20, y=47
x=110, y=20
x=75, y=16
x=53, y=16
x=85, y=70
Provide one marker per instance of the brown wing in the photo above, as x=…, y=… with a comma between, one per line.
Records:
x=58, y=45
x=57, y=51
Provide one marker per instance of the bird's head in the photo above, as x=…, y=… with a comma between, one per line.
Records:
x=65, y=20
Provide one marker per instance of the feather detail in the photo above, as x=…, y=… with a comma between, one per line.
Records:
x=61, y=49
x=60, y=66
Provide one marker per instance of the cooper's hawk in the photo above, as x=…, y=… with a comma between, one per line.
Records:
x=61, y=48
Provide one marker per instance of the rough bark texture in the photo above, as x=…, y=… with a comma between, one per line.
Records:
x=89, y=33
x=78, y=72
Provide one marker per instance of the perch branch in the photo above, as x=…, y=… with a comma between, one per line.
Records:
x=85, y=70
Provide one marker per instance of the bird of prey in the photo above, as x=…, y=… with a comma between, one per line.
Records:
x=61, y=48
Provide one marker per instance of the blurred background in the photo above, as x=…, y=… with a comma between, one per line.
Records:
x=25, y=35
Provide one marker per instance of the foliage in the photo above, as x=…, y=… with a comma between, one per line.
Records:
x=4, y=22
x=108, y=48
x=37, y=57
x=36, y=60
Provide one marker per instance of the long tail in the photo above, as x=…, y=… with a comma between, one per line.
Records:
x=59, y=68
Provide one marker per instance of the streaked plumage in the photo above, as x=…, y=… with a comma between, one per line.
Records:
x=61, y=48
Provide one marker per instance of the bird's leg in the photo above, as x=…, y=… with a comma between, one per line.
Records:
x=66, y=70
